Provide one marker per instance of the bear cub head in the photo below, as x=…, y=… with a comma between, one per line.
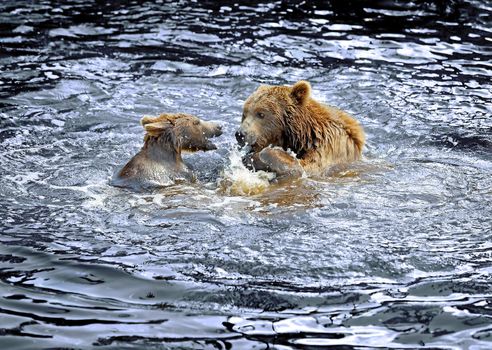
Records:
x=182, y=132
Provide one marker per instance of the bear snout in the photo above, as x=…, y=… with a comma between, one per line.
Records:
x=212, y=129
x=245, y=138
x=217, y=130
x=241, y=139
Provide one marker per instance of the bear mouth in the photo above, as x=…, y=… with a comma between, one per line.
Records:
x=210, y=146
x=213, y=132
x=247, y=149
x=247, y=144
x=204, y=145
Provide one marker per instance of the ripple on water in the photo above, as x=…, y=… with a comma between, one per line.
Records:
x=393, y=251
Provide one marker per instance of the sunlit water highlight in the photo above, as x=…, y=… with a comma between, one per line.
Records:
x=394, y=251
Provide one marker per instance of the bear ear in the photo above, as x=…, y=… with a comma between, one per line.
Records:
x=301, y=91
x=147, y=119
x=165, y=117
x=157, y=128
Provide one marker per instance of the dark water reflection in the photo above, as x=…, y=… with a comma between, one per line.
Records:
x=392, y=252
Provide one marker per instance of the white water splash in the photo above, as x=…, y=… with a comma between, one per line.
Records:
x=236, y=179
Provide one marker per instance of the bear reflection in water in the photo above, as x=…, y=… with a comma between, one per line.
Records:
x=289, y=132
x=159, y=162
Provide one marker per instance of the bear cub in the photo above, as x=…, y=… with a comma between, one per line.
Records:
x=159, y=161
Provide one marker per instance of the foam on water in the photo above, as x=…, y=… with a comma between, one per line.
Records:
x=392, y=251
x=237, y=180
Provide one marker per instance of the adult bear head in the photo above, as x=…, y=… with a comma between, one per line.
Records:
x=273, y=115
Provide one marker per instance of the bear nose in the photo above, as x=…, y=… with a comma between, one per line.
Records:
x=240, y=137
x=218, y=130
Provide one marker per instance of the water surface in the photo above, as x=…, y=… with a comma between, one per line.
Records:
x=394, y=251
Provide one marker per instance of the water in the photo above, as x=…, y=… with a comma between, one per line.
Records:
x=394, y=251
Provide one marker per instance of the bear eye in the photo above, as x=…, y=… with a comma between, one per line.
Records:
x=196, y=122
x=260, y=115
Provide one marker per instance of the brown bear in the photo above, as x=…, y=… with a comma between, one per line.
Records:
x=159, y=161
x=277, y=119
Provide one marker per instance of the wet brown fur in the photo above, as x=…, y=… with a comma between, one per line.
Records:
x=319, y=135
x=159, y=159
